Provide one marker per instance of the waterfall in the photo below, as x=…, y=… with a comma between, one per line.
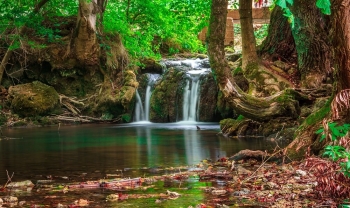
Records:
x=142, y=112
x=191, y=99
x=191, y=93
x=194, y=69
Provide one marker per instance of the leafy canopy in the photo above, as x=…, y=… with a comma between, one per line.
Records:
x=323, y=5
x=145, y=25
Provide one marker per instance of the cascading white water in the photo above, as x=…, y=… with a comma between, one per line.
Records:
x=142, y=112
x=191, y=95
x=139, y=112
x=191, y=99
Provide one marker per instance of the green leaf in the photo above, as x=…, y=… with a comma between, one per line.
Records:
x=324, y=5
x=290, y=2
x=319, y=131
x=322, y=137
x=281, y=3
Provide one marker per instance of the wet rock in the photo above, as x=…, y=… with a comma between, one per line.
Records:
x=221, y=206
x=81, y=202
x=219, y=192
x=112, y=197
x=20, y=184
x=243, y=191
x=21, y=203
x=10, y=199
x=172, y=194
x=33, y=99
x=59, y=205
x=270, y=186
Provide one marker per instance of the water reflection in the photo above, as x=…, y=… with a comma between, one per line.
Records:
x=108, y=148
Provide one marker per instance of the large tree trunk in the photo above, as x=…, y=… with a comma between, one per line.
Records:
x=341, y=44
x=21, y=31
x=85, y=43
x=311, y=39
x=249, y=54
x=249, y=106
x=341, y=41
x=279, y=43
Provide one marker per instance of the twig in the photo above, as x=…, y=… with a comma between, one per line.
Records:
x=263, y=163
x=8, y=178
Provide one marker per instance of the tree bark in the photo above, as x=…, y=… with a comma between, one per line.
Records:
x=341, y=41
x=255, y=108
x=310, y=34
x=85, y=43
x=21, y=31
x=279, y=43
x=341, y=44
x=249, y=54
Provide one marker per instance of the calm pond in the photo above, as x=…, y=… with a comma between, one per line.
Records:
x=97, y=150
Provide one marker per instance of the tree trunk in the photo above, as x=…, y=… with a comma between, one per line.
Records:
x=249, y=54
x=312, y=45
x=255, y=108
x=21, y=31
x=341, y=44
x=341, y=41
x=279, y=43
x=85, y=43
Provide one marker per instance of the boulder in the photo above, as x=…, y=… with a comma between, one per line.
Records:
x=33, y=99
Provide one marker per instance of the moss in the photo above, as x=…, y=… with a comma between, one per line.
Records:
x=237, y=71
x=3, y=119
x=33, y=99
x=319, y=114
x=126, y=118
x=20, y=123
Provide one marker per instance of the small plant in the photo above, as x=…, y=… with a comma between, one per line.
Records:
x=333, y=176
x=333, y=130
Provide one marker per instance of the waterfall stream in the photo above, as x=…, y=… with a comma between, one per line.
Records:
x=142, y=111
x=194, y=68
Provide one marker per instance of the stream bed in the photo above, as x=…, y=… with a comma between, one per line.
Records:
x=80, y=153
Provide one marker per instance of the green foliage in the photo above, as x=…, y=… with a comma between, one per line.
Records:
x=261, y=33
x=336, y=131
x=324, y=5
x=126, y=118
x=240, y=118
x=147, y=27
x=339, y=153
x=284, y=4
x=336, y=152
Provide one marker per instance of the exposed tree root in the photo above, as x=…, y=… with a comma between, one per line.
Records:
x=68, y=103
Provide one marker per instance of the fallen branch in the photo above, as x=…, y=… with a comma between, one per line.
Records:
x=9, y=179
x=68, y=103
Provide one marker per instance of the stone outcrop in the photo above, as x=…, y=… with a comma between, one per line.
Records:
x=33, y=99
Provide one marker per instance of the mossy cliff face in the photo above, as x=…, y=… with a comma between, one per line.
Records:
x=208, y=110
x=33, y=99
x=101, y=80
x=166, y=98
x=113, y=101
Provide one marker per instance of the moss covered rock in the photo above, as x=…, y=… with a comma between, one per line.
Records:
x=33, y=99
x=166, y=100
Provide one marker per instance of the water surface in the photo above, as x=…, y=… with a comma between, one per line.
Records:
x=104, y=149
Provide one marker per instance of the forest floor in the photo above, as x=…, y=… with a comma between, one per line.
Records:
x=209, y=184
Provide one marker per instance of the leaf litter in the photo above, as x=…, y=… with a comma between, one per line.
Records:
x=313, y=182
